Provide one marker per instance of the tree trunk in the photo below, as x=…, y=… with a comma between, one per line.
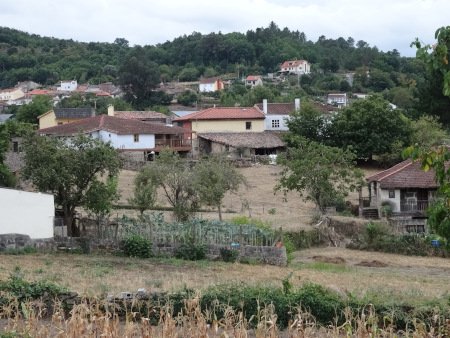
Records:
x=219, y=208
x=72, y=231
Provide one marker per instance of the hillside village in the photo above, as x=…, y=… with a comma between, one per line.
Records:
x=256, y=159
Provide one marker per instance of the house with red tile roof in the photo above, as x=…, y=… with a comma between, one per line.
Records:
x=223, y=123
x=223, y=119
x=405, y=187
x=253, y=81
x=125, y=134
x=298, y=67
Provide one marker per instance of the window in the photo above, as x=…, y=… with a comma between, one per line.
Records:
x=275, y=123
x=248, y=126
x=391, y=193
x=136, y=137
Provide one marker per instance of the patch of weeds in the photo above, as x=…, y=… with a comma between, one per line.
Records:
x=103, y=288
x=48, y=262
x=156, y=283
x=272, y=211
x=38, y=271
x=329, y=267
x=26, y=250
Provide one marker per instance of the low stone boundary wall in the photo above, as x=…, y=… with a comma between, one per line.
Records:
x=260, y=254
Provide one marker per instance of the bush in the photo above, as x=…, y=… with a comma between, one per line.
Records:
x=23, y=290
x=387, y=208
x=191, y=252
x=374, y=231
x=229, y=255
x=137, y=246
x=303, y=239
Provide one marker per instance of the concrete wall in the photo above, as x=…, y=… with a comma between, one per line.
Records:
x=227, y=126
x=48, y=120
x=384, y=196
x=146, y=141
x=282, y=120
x=26, y=213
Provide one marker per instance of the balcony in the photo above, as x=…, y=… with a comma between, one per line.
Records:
x=414, y=206
x=176, y=144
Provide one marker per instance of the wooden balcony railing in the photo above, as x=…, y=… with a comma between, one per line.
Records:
x=413, y=206
x=173, y=143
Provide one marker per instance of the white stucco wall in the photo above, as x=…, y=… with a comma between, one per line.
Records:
x=207, y=87
x=146, y=141
x=283, y=122
x=26, y=213
x=384, y=196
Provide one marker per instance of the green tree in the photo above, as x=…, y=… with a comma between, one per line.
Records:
x=370, y=127
x=100, y=199
x=29, y=112
x=138, y=77
x=144, y=192
x=187, y=98
x=437, y=158
x=175, y=176
x=308, y=123
x=319, y=173
x=214, y=177
x=427, y=132
x=7, y=179
x=71, y=169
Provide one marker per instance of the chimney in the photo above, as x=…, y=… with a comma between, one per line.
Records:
x=110, y=110
x=265, y=106
x=297, y=104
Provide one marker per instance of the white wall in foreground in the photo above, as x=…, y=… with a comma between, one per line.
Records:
x=26, y=213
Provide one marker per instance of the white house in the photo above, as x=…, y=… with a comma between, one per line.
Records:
x=210, y=85
x=253, y=81
x=277, y=114
x=26, y=213
x=11, y=94
x=337, y=99
x=125, y=134
x=68, y=86
x=298, y=67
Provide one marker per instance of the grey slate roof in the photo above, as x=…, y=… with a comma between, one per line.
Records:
x=73, y=113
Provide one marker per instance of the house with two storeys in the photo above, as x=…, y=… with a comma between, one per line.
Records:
x=126, y=135
x=405, y=189
x=59, y=116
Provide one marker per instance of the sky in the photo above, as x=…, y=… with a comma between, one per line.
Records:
x=387, y=24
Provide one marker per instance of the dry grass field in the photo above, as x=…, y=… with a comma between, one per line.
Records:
x=392, y=277
x=290, y=212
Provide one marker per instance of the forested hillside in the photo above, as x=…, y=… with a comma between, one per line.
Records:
x=403, y=81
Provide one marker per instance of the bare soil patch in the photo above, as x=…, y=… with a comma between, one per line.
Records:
x=372, y=264
x=332, y=260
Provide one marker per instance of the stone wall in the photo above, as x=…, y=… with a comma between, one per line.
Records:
x=260, y=254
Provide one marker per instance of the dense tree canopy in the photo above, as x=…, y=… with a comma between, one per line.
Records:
x=71, y=171
x=370, y=127
x=319, y=173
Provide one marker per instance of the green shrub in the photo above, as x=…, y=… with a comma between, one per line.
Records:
x=303, y=239
x=387, y=208
x=191, y=251
x=137, y=246
x=21, y=251
x=23, y=290
x=229, y=255
x=374, y=231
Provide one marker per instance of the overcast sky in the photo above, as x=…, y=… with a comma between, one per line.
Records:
x=387, y=24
